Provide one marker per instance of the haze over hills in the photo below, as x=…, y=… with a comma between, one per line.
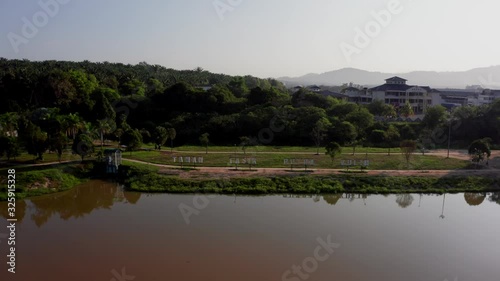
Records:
x=486, y=77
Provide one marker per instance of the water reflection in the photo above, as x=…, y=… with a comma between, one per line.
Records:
x=76, y=203
x=332, y=199
x=474, y=199
x=442, y=209
x=256, y=238
x=495, y=197
x=404, y=200
x=20, y=210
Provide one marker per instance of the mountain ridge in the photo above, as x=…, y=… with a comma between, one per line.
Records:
x=486, y=77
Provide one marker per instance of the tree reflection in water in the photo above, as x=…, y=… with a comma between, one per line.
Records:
x=474, y=199
x=495, y=197
x=80, y=201
x=332, y=199
x=20, y=210
x=404, y=200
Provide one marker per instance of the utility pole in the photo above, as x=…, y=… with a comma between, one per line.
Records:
x=450, y=120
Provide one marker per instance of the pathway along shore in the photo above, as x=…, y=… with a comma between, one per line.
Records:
x=204, y=172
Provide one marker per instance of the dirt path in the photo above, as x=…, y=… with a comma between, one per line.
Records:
x=204, y=172
x=218, y=172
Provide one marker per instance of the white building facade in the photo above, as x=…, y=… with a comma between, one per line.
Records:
x=397, y=93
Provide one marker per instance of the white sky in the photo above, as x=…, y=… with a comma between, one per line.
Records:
x=265, y=38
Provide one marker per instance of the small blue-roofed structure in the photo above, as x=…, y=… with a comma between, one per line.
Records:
x=113, y=159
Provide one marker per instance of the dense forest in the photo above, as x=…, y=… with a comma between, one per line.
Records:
x=55, y=105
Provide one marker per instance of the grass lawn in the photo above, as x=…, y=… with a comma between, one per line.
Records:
x=274, y=149
x=25, y=158
x=259, y=148
x=272, y=157
x=276, y=160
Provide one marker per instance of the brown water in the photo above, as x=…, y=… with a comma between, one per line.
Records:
x=97, y=232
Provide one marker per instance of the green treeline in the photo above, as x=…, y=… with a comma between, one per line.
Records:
x=54, y=104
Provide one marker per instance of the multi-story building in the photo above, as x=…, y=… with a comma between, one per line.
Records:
x=455, y=97
x=484, y=97
x=395, y=91
x=358, y=95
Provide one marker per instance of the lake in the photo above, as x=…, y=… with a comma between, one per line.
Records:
x=99, y=232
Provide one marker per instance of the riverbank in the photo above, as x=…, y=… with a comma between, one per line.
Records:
x=143, y=178
x=39, y=180
x=34, y=181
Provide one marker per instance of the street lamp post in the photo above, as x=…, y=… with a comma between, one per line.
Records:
x=449, y=137
x=442, y=210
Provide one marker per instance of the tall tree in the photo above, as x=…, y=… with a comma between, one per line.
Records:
x=408, y=147
x=362, y=119
x=36, y=141
x=73, y=124
x=333, y=149
x=479, y=150
x=146, y=135
x=390, y=136
x=83, y=145
x=205, y=141
x=160, y=136
x=244, y=143
x=406, y=110
x=171, y=133
x=104, y=110
x=318, y=132
x=9, y=123
x=9, y=146
x=380, y=108
x=103, y=128
x=58, y=143
x=434, y=116
x=132, y=139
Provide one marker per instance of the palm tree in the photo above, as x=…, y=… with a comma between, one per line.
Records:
x=73, y=124
x=103, y=127
x=91, y=130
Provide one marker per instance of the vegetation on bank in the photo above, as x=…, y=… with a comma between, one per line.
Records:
x=141, y=179
x=36, y=181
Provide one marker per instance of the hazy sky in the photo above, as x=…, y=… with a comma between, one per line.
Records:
x=265, y=38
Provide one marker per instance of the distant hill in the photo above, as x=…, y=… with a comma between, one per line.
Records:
x=487, y=77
